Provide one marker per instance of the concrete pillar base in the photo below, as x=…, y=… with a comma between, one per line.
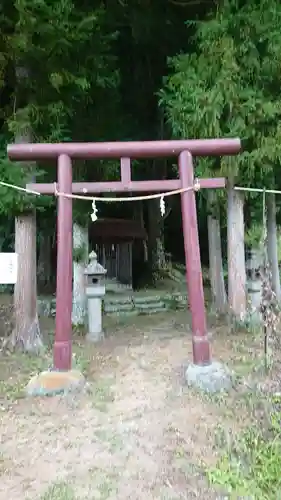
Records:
x=50, y=383
x=211, y=378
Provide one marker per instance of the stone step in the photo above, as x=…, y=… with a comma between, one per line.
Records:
x=175, y=300
x=134, y=312
x=155, y=305
x=117, y=300
x=126, y=304
x=147, y=312
x=110, y=308
x=179, y=296
x=148, y=299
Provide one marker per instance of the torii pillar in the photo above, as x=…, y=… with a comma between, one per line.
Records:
x=64, y=153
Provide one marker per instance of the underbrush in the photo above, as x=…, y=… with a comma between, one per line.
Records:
x=251, y=468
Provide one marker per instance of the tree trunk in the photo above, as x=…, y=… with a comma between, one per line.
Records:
x=156, y=249
x=80, y=251
x=27, y=332
x=236, y=254
x=215, y=255
x=272, y=244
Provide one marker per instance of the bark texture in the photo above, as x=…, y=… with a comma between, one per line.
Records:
x=27, y=332
x=236, y=254
x=79, y=304
x=272, y=244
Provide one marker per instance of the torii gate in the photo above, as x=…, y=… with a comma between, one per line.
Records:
x=64, y=153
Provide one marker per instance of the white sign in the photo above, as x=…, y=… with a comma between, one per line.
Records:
x=8, y=268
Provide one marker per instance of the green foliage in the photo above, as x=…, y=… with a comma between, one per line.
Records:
x=56, y=65
x=12, y=200
x=229, y=86
x=59, y=491
x=254, y=235
x=253, y=468
x=60, y=53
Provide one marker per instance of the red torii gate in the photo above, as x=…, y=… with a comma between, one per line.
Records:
x=64, y=153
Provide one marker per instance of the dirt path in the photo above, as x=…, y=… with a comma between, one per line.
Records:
x=136, y=433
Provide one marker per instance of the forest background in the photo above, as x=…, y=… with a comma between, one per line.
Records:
x=106, y=71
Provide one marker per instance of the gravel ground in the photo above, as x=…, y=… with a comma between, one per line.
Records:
x=137, y=432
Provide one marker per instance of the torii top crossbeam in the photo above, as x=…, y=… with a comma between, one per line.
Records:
x=146, y=149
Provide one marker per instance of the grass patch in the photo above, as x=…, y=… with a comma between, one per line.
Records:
x=251, y=464
x=59, y=491
x=4, y=464
x=16, y=370
x=81, y=359
x=114, y=441
x=102, y=394
x=103, y=485
x=107, y=488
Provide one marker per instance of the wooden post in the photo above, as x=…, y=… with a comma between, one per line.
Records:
x=62, y=345
x=200, y=343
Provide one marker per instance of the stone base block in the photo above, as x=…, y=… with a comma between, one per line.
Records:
x=50, y=383
x=211, y=378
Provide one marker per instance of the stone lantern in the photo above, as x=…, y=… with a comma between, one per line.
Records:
x=95, y=291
